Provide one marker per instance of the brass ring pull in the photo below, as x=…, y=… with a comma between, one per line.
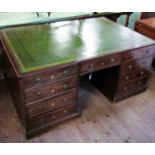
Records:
x=40, y=107
x=52, y=91
x=112, y=60
x=38, y=79
x=65, y=111
x=53, y=104
x=52, y=76
x=65, y=86
x=65, y=72
x=38, y=93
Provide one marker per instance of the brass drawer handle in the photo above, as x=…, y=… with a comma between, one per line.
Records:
x=130, y=66
x=142, y=73
x=65, y=111
x=125, y=88
x=38, y=93
x=52, y=76
x=53, y=104
x=65, y=72
x=102, y=63
x=40, y=107
x=127, y=77
x=112, y=60
x=52, y=90
x=65, y=86
x=38, y=79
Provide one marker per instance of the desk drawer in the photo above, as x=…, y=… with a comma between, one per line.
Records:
x=136, y=65
x=51, y=117
x=126, y=77
x=100, y=63
x=138, y=53
x=123, y=89
x=51, y=76
x=51, y=90
x=51, y=104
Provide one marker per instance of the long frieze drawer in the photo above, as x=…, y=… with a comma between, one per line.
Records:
x=99, y=63
x=42, y=120
x=51, y=104
x=139, y=53
x=136, y=65
x=126, y=77
x=131, y=86
x=51, y=76
x=51, y=90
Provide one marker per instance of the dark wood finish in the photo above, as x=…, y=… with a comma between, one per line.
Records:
x=50, y=77
x=136, y=65
x=139, y=53
x=34, y=109
x=129, y=121
x=26, y=92
x=90, y=66
x=129, y=77
x=53, y=116
x=51, y=90
x=35, y=90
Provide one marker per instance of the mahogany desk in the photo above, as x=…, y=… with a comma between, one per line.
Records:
x=43, y=64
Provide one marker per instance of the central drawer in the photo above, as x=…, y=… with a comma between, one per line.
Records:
x=51, y=89
x=100, y=63
x=51, y=104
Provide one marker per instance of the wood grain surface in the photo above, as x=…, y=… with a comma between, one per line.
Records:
x=131, y=120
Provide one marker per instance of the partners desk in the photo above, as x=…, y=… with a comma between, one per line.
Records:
x=43, y=64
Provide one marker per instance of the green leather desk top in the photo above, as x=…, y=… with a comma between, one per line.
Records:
x=39, y=46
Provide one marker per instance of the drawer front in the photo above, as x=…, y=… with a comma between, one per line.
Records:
x=51, y=104
x=133, y=75
x=51, y=76
x=123, y=89
x=51, y=90
x=136, y=65
x=100, y=63
x=51, y=117
x=138, y=53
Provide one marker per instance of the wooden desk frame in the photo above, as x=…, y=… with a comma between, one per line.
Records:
x=48, y=96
